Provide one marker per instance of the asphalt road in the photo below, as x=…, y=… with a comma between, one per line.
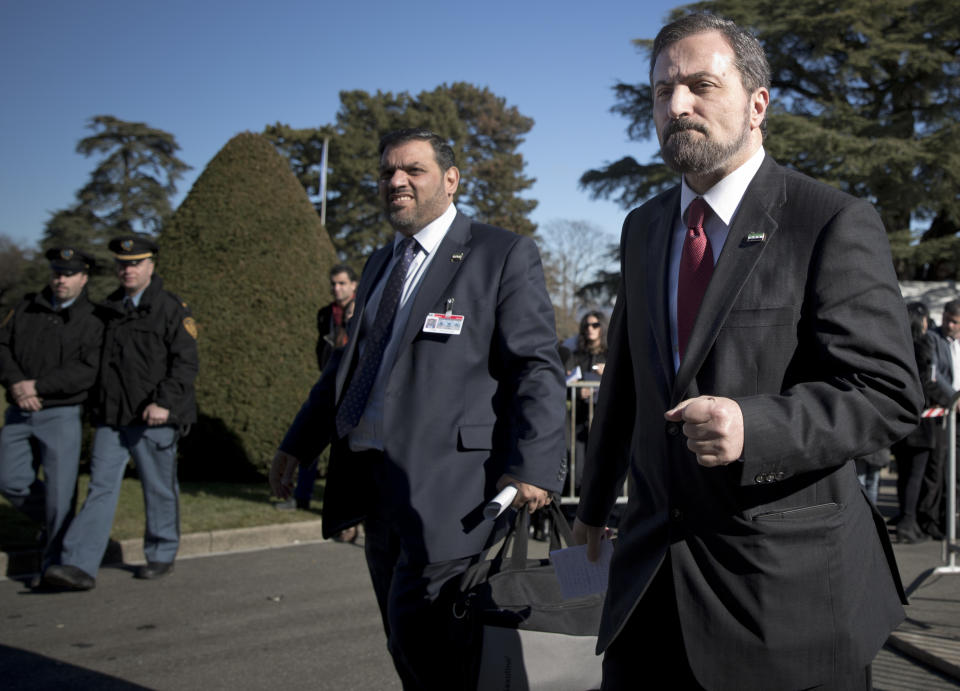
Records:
x=290, y=618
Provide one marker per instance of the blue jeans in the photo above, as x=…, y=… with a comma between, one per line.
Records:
x=55, y=434
x=154, y=450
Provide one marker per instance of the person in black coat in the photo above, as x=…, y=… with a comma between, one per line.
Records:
x=590, y=356
x=913, y=452
x=931, y=507
x=333, y=320
x=49, y=353
x=145, y=401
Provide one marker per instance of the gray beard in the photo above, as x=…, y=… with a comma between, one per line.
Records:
x=687, y=153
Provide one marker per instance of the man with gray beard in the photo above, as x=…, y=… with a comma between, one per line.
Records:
x=758, y=344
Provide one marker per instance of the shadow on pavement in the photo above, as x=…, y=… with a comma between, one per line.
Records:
x=28, y=671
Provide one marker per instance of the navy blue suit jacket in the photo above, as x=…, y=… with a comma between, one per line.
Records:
x=460, y=410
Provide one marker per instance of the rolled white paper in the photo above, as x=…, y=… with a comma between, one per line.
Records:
x=500, y=503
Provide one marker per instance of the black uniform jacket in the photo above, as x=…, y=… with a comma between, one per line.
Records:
x=149, y=356
x=59, y=349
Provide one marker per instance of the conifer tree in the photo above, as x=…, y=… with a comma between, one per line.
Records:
x=482, y=129
x=247, y=252
x=865, y=96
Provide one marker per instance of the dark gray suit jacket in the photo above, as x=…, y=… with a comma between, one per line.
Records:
x=460, y=410
x=783, y=572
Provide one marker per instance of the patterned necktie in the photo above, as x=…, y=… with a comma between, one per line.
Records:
x=696, y=268
x=358, y=391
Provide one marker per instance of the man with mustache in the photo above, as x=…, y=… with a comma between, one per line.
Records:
x=449, y=388
x=144, y=401
x=49, y=353
x=759, y=343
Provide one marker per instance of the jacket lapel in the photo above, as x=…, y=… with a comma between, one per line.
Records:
x=658, y=247
x=758, y=216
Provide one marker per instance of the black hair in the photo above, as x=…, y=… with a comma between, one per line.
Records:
x=441, y=149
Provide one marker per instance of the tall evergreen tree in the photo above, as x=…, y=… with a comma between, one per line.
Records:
x=128, y=191
x=247, y=252
x=484, y=131
x=13, y=265
x=131, y=186
x=866, y=96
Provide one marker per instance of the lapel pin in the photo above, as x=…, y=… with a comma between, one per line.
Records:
x=756, y=237
x=456, y=257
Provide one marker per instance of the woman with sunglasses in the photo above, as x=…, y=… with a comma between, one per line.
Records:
x=590, y=356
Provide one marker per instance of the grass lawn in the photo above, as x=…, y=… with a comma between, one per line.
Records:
x=203, y=506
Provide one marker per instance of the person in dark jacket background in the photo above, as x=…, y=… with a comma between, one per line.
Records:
x=591, y=357
x=915, y=451
x=145, y=400
x=333, y=320
x=49, y=352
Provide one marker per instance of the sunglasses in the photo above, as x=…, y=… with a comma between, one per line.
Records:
x=592, y=325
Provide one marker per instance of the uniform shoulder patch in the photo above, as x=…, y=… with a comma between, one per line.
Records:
x=6, y=319
x=190, y=325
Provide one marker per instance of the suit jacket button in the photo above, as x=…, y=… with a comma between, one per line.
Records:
x=780, y=475
x=676, y=514
x=673, y=429
x=760, y=479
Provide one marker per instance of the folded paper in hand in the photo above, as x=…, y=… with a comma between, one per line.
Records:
x=578, y=575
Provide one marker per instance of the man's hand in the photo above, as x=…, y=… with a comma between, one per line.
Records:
x=283, y=469
x=530, y=495
x=589, y=535
x=25, y=395
x=25, y=388
x=29, y=403
x=155, y=415
x=713, y=427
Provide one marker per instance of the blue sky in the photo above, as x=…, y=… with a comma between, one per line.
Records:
x=206, y=70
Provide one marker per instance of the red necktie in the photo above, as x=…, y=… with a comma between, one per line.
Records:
x=696, y=267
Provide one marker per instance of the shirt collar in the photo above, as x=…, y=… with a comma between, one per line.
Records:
x=135, y=299
x=430, y=235
x=725, y=196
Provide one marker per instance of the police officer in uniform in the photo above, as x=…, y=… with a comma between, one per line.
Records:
x=49, y=353
x=145, y=400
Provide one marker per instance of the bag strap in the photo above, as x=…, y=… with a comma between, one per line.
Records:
x=560, y=534
x=559, y=525
x=518, y=538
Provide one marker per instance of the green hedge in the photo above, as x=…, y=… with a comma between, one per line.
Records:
x=247, y=252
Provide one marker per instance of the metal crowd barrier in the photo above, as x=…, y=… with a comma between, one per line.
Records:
x=949, y=548
x=569, y=495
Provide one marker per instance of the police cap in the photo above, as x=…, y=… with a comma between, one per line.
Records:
x=69, y=260
x=132, y=248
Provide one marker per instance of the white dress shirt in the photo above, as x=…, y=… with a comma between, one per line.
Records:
x=955, y=361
